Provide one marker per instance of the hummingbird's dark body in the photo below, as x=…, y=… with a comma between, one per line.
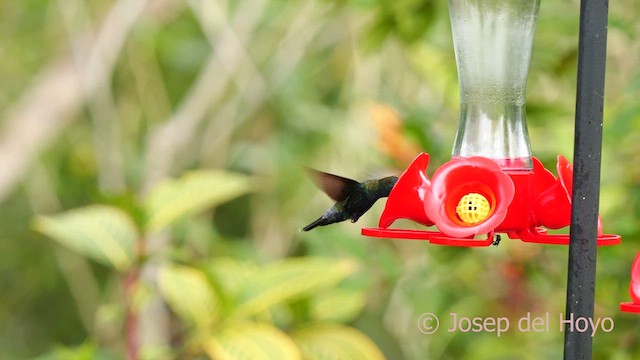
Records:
x=352, y=198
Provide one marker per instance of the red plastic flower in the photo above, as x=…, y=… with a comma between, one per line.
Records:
x=634, y=286
x=553, y=205
x=406, y=200
x=474, y=177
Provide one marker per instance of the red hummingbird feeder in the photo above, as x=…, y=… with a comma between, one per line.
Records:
x=492, y=184
x=634, y=288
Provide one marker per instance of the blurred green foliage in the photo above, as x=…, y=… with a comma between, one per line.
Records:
x=257, y=88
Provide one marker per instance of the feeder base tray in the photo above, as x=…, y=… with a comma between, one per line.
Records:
x=630, y=307
x=537, y=235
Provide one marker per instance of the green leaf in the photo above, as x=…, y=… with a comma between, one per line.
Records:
x=254, y=341
x=103, y=233
x=289, y=279
x=189, y=295
x=339, y=305
x=86, y=351
x=194, y=192
x=322, y=342
x=231, y=275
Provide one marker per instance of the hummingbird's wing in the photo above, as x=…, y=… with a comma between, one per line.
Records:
x=337, y=187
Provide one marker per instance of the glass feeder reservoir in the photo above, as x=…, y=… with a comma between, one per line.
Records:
x=493, y=40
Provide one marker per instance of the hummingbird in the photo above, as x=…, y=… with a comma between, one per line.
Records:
x=352, y=198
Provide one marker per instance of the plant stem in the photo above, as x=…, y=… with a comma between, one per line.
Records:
x=132, y=313
x=131, y=317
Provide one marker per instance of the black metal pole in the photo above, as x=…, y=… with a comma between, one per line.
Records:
x=586, y=176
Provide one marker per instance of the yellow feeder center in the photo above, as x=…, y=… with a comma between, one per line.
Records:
x=473, y=208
